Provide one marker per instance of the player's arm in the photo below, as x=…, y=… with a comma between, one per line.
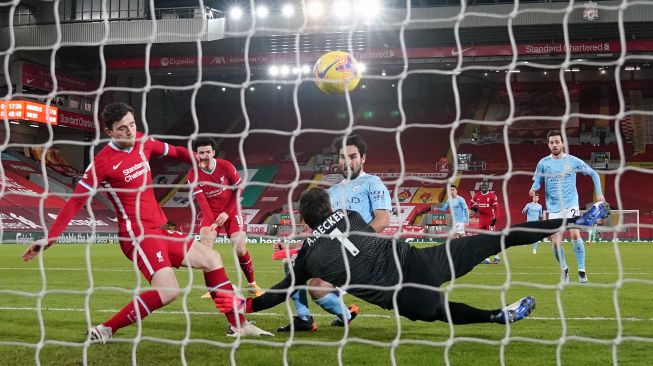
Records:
x=495, y=210
x=537, y=179
x=474, y=206
x=381, y=204
x=81, y=194
x=162, y=149
x=585, y=169
x=200, y=199
x=463, y=206
x=525, y=209
x=232, y=206
x=541, y=213
x=227, y=302
x=444, y=207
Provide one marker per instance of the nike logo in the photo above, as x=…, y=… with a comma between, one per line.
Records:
x=455, y=53
x=116, y=166
x=323, y=73
x=28, y=80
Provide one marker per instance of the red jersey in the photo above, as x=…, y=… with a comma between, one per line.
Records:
x=125, y=174
x=487, y=204
x=214, y=186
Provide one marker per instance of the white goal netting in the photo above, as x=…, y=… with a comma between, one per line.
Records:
x=451, y=94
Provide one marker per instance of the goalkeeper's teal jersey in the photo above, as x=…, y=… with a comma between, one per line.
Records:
x=364, y=194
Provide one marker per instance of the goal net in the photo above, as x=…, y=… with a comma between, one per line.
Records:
x=452, y=94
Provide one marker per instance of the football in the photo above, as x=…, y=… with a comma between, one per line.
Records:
x=336, y=72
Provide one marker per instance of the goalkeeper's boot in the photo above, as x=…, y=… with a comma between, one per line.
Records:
x=516, y=311
x=353, y=312
x=582, y=277
x=596, y=212
x=100, y=334
x=299, y=325
x=255, y=290
x=248, y=329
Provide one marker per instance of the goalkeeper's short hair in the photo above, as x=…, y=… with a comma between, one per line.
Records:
x=314, y=206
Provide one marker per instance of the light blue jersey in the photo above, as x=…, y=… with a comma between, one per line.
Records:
x=459, y=209
x=364, y=194
x=533, y=211
x=560, y=181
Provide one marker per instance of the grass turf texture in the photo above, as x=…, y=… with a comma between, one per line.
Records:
x=594, y=335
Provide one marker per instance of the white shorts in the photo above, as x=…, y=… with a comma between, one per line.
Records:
x=565, y=214
x=459, y=228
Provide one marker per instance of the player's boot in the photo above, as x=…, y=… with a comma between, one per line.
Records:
x=353, y=311
x=300, y=325
x=247, y=329
x=582, y=277
x=486, y=261
x=516, y=311
x=100, y=334
x=255, y=290
x=565, y=276
x=596, y=212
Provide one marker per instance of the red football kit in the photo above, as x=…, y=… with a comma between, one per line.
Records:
x=125, y=175
x=214, y=196
x=487, y=205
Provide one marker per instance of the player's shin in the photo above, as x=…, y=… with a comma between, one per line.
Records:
x=333, y=304
x=216, y=281
x=146, y=302
x=579, y=251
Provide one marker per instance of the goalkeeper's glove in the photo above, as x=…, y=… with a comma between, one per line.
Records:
x=228, y=302
x=474, y=208
x=494, y=221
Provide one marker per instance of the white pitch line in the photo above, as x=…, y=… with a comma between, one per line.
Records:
x=212, y=313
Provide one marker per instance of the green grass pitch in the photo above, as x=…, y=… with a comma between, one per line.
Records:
x=609, y=319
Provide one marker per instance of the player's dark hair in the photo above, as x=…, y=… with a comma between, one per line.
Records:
x=204, y=141
x=314, y=206
x=453, y=186
x=354, y=140
x=554, y=133
x=114, y=112
x=536, y=195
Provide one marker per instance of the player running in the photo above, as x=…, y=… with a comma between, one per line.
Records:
x=122, y=169
x=486, y=204
x=533, y=211
x=459, y=211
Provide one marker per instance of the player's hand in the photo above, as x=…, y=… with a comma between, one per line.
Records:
x=34, y=249
x=221, y=219
x=531, y=192
x=208, y=235
x=228, y=302
x=277, y=246
x=600, y=198
x=493, y=222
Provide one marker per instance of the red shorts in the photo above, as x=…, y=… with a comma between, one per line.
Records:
x=484, y=223
x=160, y=248
x=233, y=224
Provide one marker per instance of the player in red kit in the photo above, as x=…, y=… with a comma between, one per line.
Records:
x=122, y=170
x=214, y=193
x=486, y=204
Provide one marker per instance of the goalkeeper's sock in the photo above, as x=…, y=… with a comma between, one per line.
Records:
x=579, y=251
x=247, y=266
x=560, y=256
x=217, y=280
x=333, y=304
x=300, y=299
x=465, y=314
x=147, y=302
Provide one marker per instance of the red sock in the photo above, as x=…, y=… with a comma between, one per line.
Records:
x=247, y=266
x=218, y=280
x=148, y=301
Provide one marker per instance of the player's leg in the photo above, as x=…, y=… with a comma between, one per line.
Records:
x=234, y=227
x=469, y=251
x=579, y=252
x=152, y=259
x=328, y=297
x=432, y=307
x=559, y=254
x=303, y=321
x=198, y=256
